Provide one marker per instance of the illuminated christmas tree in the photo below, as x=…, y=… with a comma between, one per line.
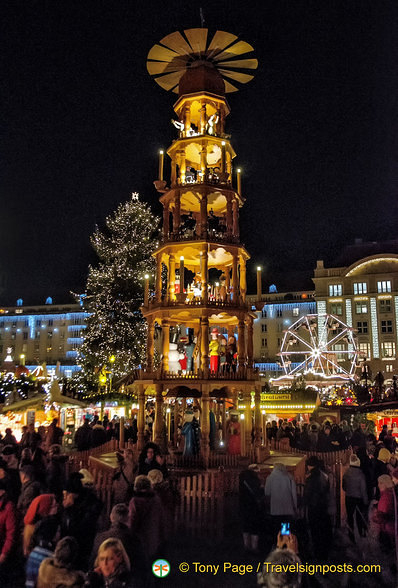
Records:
x=115, y=335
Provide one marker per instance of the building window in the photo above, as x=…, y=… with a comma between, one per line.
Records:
x=49, y=349
x=336, y=308
x=13, y=336
x=385, y=305
x=389, y=367
x=26, y=323
x=279, y=313
x=280, y=328
x=388, y=349
x=50, y=322
x=364, y=350
x=296, y=311
x=77, y=321
x=38, y=323
x=37, y=335
x=49, y=335
x=24, y=348
x=279, y=342
x=386, y=327
x=362, y=327
x=62, y=335
x=25, y=335
x=37, y=347
x=384, y=286
x=264, y=342
x=2, y=325
x=361, y=308
x=263, y=328
x=360, y=287
x=14, y=324
x=264, y=313
x=335, y=289
x=61, y=348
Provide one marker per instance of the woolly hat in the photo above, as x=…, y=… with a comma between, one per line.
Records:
x=384, y=455
x=312, y=461
x=354, y=461
x=40, y=507
x=74, y=483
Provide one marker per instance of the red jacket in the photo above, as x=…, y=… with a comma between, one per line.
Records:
x=384, y=515
x=8, y=526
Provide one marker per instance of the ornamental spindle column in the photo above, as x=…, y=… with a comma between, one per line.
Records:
x=229, y=215
x=205, y=425
x=150, y=344
x=235, y=222
x=235, y=278
x=158, y=425
x=241, y=343
x=177, y=215
x=203, y=216
x=158, y=280
x=166, y=220
x=243, y=279
x=166, y=344
x=204, y=271
x=204, y=346
x=172, y=277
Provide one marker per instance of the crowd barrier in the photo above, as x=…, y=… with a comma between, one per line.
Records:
x=203, y=494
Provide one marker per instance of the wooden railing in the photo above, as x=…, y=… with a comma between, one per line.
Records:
x=80, y=459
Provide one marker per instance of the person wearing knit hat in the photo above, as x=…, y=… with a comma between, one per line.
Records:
x=356, y=497
x=29, y=490
x=60, y=570
x=380, y=468
x=41, y=507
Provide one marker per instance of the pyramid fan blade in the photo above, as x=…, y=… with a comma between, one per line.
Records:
x=236, y=75
x=158, y=67
x=197, y=39
x=230, y=87
x=220, y=40
x=159, y=53
x=238, y=63
x=177, y=43
x=170, y=80
x=237, y=49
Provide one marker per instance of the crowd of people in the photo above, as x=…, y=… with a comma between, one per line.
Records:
x=370, y=484
x=53, y=527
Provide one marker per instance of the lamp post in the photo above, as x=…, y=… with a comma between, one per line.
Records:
x=112, y=360
x=161, y=162
x=259, y=285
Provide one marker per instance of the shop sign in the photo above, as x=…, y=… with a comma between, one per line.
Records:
x=275, y=397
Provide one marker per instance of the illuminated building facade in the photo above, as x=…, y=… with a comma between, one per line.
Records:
x=48, y=333
x=365, y=296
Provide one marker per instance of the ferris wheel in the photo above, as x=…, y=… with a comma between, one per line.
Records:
x=319, y=343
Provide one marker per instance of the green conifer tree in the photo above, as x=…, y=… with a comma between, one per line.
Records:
x=114, y=293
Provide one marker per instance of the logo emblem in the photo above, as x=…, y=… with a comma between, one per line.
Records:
x=161, y=568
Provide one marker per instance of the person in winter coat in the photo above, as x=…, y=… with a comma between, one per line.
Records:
x=98, y=435
x=356, y=497
x=29, y=490
x=83, y=437
x=123, y=479
x=251, y=508
x=112, y=567
x=280, y=489
x=119, y=529
x=80, y=515
x=316, y=500
x=168, y=495
x=384, y=515
x=9, y=438
x=380, y=468
x=150, y=458
x=8, y=532
x=146, y=515
x=42, y=506
x=60, y=570
x=56, y=471
x=54, y=434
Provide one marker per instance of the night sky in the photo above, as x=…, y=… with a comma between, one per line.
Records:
x=316, y=131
